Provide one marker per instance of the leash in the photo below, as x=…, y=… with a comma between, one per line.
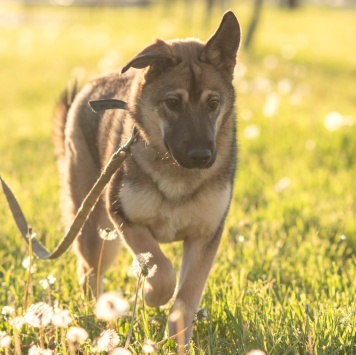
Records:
x=88, y=203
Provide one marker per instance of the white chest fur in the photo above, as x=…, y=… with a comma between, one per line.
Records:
x=169, y=221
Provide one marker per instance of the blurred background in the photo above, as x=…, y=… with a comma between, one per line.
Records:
x=295, y=80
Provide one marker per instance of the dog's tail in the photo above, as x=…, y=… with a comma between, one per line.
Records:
x=60, y=120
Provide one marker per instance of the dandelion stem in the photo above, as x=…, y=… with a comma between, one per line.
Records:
x=41, y=338
x=133, y=312
x=176, y=335
x=144, y=314
x=99, y=268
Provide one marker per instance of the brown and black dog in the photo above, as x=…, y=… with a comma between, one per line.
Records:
x=176, y=184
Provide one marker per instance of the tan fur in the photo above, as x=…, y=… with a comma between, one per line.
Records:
x=176, y=185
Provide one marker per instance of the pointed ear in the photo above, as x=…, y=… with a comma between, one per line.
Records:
x=221, y=48
x=157, y=53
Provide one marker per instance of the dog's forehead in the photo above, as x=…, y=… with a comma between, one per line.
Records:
x=194, y=77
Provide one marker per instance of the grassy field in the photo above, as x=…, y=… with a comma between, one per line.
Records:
x=284, y=278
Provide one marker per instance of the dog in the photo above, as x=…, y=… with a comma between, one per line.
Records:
x=176, y=183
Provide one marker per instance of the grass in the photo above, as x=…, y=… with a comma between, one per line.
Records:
x=290, y=238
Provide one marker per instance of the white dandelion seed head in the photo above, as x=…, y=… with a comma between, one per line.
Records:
x=241, y=238
x=33, y=236
x=120, y=351
x=256, y=352
x=107, y=341
x=202, y=314
x=282, y=184
x=17, y=322
x=144, y=258
x=110, y=306
x=77, y=335
x=108, y=234
x=26, y=265
x=39, y=315
x=252, y=132
x=36, y=350
x=49, y=280
x=8, y=311
x=271, y=105
x=343, y=237
x=140, y=265
x=149, y=346
x=5, y=340
x=151, y=271
x=61, y=318
x=333, y=121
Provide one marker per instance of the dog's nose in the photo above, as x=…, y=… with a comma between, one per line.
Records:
x=199, y=157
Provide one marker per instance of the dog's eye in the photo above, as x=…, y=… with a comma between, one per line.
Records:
x=214, y=104
x=173, y=104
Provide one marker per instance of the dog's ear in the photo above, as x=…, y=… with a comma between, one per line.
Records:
x=157, y=53
x=220, y=50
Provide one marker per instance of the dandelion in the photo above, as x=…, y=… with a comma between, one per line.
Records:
x=75, y=336
x=252, y=132
x=149, y=346
x=271, y=105
x=108, y=234
x=26, y=264
x=202, y=315
x=107, y=341
x=140, y=265
x=17, y=322
x=61, y=318
x=282, y=184
x=120, y=351
x=5, y=340
x=36, y=350
x=39, y=315
x=343, y=237
x=333, y=121
x=49, y=280
x=8, y=311
x=241, y=238
x=110, y=306
x=256, y=352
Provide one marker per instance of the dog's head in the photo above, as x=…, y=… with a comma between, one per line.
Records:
x=185, y=93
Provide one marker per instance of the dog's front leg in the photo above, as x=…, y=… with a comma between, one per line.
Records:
x=198, y=256
x=160, y=287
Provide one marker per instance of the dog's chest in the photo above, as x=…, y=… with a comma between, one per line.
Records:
x=169, y=221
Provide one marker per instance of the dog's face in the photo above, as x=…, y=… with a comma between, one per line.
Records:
x=186, y=92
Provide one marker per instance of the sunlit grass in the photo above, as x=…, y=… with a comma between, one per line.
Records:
x=290, y=237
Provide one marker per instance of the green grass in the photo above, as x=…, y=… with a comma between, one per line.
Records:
x=283, y=248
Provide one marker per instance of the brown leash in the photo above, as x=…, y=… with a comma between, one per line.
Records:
x=88, y=203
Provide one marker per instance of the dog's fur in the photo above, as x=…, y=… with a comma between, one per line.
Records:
x=176, y=184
